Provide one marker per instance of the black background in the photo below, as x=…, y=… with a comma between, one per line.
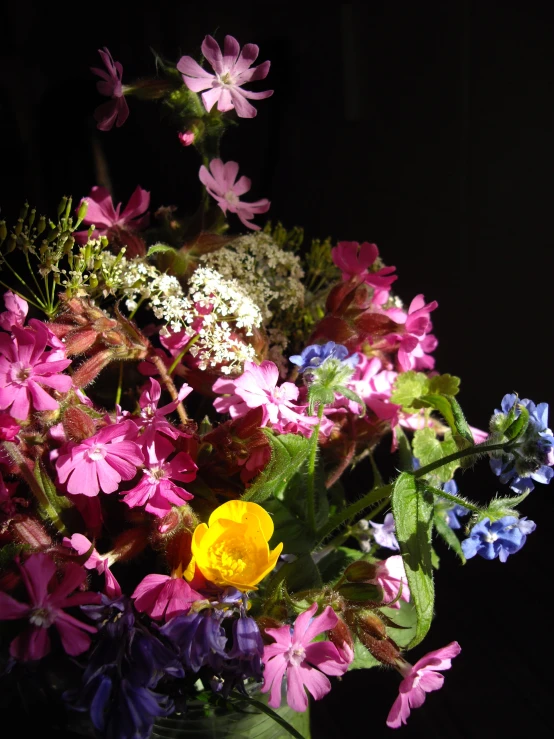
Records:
x=424, y=127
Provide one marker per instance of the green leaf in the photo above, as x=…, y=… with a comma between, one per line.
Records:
x=450, y=410
x=269, y=712
x=289, y=529
x=363, y=659
x=517, y=428
x=413, y=513
x=288, y=454
x=334, y=564
x=448, y=535
x=405, y=453
x=302, y=574
x=159, y=248
x=405, y=618
x=500, y=507
x=295, y=496
x=444, y=385
x=408, y=387
x=427, y=448
x=361, y=592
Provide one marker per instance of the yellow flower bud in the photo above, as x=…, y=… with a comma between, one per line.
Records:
x=232, y=549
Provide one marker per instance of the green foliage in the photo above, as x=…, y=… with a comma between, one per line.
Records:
x=9, y=552
x=450, y=410
x=295, y=497
x=289, y=528
x=404, y=620
x=428, y=449
x=363, y=659
x=361, y=592
x=408, y=387
x=413, y=513
x=500, y=507
x=334, y=564
x=444, y=385
x=288, y=454
x=448, y=535
x=302, y=574
x=405, y=453
x=290, y=240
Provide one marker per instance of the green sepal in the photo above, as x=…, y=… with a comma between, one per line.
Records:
x=518, y=427
x=450, y=410
x=361, y=592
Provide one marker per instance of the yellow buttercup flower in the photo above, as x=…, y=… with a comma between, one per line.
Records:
x=232, y=549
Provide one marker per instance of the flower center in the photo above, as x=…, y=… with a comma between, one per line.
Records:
x=229, y=557
x=232, y=199
x=42, y=617
x=96, y=453
x=226, y=79
x=157, y=473
x=295, y=655
x=490, y=538
x=20, y=372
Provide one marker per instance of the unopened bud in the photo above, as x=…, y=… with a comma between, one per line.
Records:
x=370, y=623
x=360, y=571
x=186, y=137
x=62, y=205
x=3, y=231
x=12, y=243
x=266, y=622
x=82, y=211
x=32, y=217
x=361, y=592
x=18, y=226
x=130, y=543
x=41, y=225
x=77, y=424
x=91, y=368
x=341, y=637
x=29, y=531
x=384, y=650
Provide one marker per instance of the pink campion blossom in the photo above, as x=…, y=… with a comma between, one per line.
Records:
x=99, y=562
x=232, y=71
x=101, y=462
x=220, y=181
x=115, y=110
x=418, y=680
x=118, y=226
x=153, y=419
x=47, y=600
x=156, y=489
x=186, y=137
x=355, y=259
x=390, y=575
x=415, y=343
x=25, y=367
x=163, y=597
x=9, y=428
x=303, y=661
x=15, y=313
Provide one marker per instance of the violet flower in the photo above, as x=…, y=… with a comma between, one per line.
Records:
x=116, y=110
x=383, y=533
x=497, y=539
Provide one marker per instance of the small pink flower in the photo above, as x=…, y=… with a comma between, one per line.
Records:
x=153, y=419
x=48, y=598
x=232, y=71
x=390, y=575
x=303, y=662
x=110, y=221
x=415, y=343
x=420, y=679
x=163, y=597
x=25, y=367
x=99, y=562
x=9, y=428
x=101, y=462
x=15, y=313
x=156, y=489
x=354, y=259
x=220, y=182
x=186, y=137
x=115, y=110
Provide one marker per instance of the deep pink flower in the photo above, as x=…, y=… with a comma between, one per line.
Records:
x=110, y=221
x=415, y=343
x=420, y=679
x=47, y=599
x=219, y=181
x=25, y=367
x=186, y=137
x=115, y=110
x=232, y=70
x=355, y=259
x=99, y=562
x=153, y=419
x=15, y=313
x=9, y=428
x=163, y=597
x=390, y=575
x=303, y=662
x=101, y=462
x=156, y=489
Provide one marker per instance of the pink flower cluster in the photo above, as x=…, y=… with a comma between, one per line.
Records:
x=116, y=110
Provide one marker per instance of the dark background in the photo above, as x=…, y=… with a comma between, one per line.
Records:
x=424, y=127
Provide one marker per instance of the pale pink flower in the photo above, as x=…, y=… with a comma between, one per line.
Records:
x=47, y=599
x=96, y=561
x=25, y=367
x=232, y=71
x=163, y=597
x=115, y=110
x=355, y=259
x=15, y=313
x=390, y=575
x=303, y=661
x=101, y=462
x=156, y=489
x=420, y=679
x=110, y=221
x=220, y=182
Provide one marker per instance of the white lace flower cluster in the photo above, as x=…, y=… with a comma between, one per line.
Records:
x=270, y=276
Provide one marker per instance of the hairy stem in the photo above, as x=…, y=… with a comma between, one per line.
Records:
x=311, y=469
x=374, y=496
x=170, y=385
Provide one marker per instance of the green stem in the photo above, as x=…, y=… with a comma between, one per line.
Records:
x=29, y=300
x=454, y=499
x=374, y=496
x=311, y=469
x=34, y=277
x=476, y=450
x=132, y=313
x=12, y=270
x=119, y=385
x=180, y=356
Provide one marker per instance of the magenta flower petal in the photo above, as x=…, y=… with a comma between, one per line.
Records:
x=71, y=631
x=325, y=656
x=32, y=644
x=11, y=608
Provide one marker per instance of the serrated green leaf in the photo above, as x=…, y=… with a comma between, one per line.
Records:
x=159, y=249
x=500, y=507
x=363, y=659
x=450, y=410
x=427, y=448
x=444, y=385
x=435, y=559
x=408, y=387
x=413, y=514
x=448, y=536
x=302, y=574
x=405, y=618
x=289, y=529
x=405, y=453
x=334, y=564
x=288, y=454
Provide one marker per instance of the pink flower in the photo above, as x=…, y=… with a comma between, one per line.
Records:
x=156, y=489
x=9, y=429
x=420, y=679
x=355, y=259
x=153, y=419
x=101, y=462
x=25, y=367
x=232, y=70
x=15, y=313
x=390, y=575
x=294, y=654
x=99, y=562
x=161, y=596
x=110, y=222
x=48, y=598
x=115, y=110
x=415, y=342
x=186, y=137
x=219, y=181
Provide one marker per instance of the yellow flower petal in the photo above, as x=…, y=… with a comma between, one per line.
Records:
x=240, y=511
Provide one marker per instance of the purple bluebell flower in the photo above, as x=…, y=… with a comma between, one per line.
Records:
x=384, y=535
x=498, y=539
x=315, y=355
x=199, y=638
x=530, y=460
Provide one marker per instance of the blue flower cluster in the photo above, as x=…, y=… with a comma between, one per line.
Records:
x=315, y=355
x=531, y=459
x=498, y=539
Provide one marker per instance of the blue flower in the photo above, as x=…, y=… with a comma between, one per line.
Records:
x=531, y=458
x=315, y=355
x=383, y=533
x=199, y=638
x=450, y=509
x=499, y=539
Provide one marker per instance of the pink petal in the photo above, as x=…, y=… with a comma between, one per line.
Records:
x=225, y=101
x=324, y=622
x=105, y=116
x=73, y=577
x=108, y=477
x=240, y=103
x=212, y=52
x=84, y=479
x=32, y=644
x=11, y=609
x=440, y=659
x=74, y=641
x=100, y=207
x=137, y=205
x=399, y=712
x=296, y=695
x=431, y=681
x=20, y=406
x=231, y=50
x=190, y=68
x=251, y=75
x=231, y=170
x=316, y=682
x=274, y=672
x=42, y=401
x=37, y=571
x=325, y=656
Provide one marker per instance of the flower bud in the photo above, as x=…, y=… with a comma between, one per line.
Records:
x=77, y=424
x=91, y=368
x=360, y=571
x=371, y=624
x=341, y=637
x=3, y=231
x=186, y=137
x=266, y=622
x=29, y=531
x=384, y=650
x=79, y=341
x=82, y=211
x=361, y=592
x=129, y=543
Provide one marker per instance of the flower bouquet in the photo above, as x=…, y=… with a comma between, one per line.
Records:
x=181, y=408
